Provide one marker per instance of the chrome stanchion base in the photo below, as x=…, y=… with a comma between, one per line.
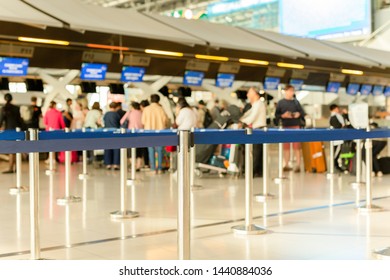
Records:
x=123, y=214
x=68, y=199
x=196, y=187
x=131, y=182
x=249, y=230
x=278, y=180
x=382, y=254
x=50, y=172
x=332, y=175
x=357, y=185
x=264, y=197
x=83, y=176
x=369, y=209
x=19, y=190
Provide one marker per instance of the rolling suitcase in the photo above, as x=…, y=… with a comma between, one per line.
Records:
x=314, y=157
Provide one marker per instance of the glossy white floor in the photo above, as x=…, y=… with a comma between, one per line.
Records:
x=310, y=218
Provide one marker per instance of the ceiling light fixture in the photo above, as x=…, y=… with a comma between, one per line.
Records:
x=290, y=65
x=107, y=47
x=352, y=72
x=168, y=53
x=43, y=41
x=253, y=61
x=212, y=57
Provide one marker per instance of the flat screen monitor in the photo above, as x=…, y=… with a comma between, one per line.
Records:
x=184, y=92
x=352, y=88
x=132, y=74
x=34, y=85
x=93, y=71
x=325, y=19
x=117, y=89
x=296, y=83
x=193, y=78
x=224, y=80
x=333, y=87
x=4, y=84
x=88, y=87
x=366, y=89
x=13, y=66
x=271, y=83
x=387, y=91
x=378, y=90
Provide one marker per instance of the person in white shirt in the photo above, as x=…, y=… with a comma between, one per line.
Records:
x=93, y=119
x=255, y=117
x=185, y=115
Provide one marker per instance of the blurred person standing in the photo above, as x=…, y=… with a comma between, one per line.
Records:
x=10, y=119
x=133, y=117
x=185, y=116
x=36, y=114
x=53, y=118
x=111, y=119
x=336, y=121
x=68, y=113
x=93, y=119
x=289, y=112
x=256, y=117
x=154, y=118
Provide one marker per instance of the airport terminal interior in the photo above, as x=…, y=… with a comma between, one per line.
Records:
x=150, y=66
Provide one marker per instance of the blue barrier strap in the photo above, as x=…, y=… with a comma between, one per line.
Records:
x=59, y=145
x=11, y=135
x=113, y=133
x=112, y=139
x=284, y=136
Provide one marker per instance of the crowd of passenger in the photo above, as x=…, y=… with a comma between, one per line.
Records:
x=151, y=115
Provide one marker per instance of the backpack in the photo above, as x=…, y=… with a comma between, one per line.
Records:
x=208, y=120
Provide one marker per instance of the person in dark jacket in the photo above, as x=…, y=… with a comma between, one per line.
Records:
x=112, y=120
x=337, y=121
x=289, y=112
x=10, y=119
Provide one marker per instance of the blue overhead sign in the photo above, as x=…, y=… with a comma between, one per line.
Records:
x=193, y=78
x=132, y=74
x=224, y=80
x=333, y=87
x=387, y=91
x=366, y=89
x=93, y=71
x=12, y=66
x=378, y=90
x=271, y=83
x=296, y=83
x=352, y=89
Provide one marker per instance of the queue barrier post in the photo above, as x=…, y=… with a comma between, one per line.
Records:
x=68, y=198
x=132, y=180
x=85, y=174
x=35, y=245
x=265, y=195
x=331, y=173
x=359, y=182
x=183, y=211
x=369, y=207
x=51, y=159
x=192, y=164
x=248, y=228
x=280, y=177
x=124, y=212
x=18, y=189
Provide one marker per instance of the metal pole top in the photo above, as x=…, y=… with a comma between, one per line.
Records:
x=248, y=131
